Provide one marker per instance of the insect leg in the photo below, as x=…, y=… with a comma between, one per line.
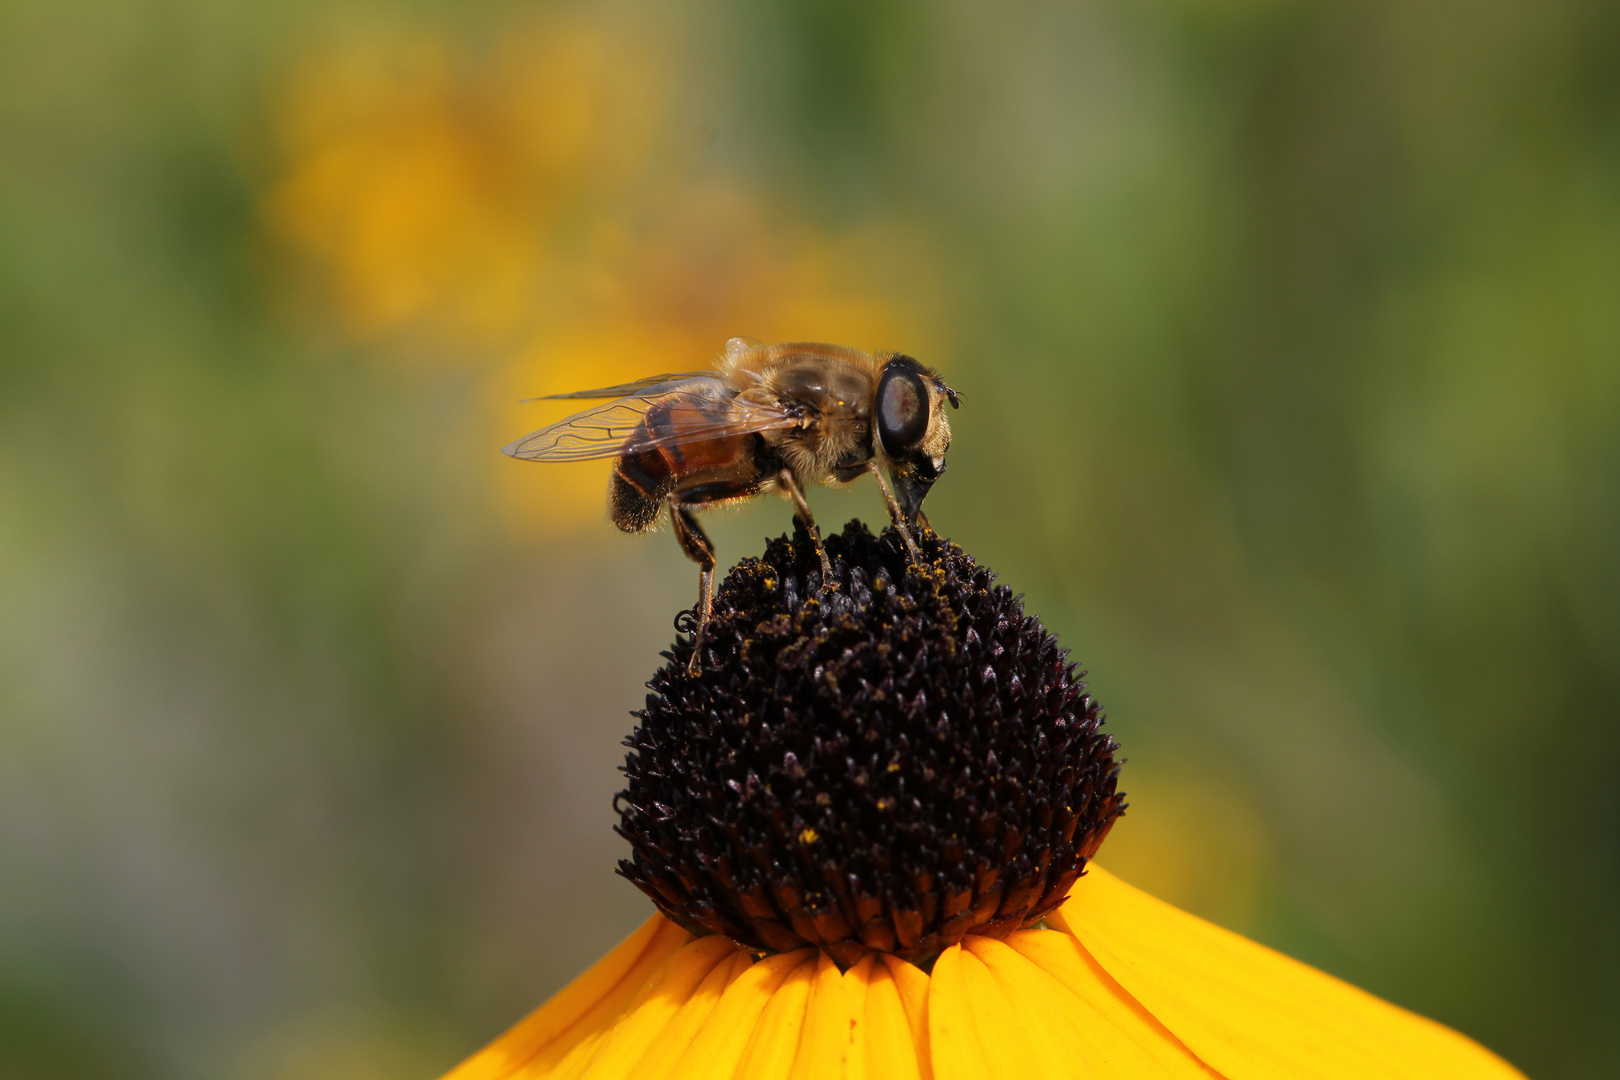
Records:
x=695, y=542
x=894, y=511
x=801, y=510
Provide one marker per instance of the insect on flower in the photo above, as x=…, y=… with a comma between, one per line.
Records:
x=772, y=418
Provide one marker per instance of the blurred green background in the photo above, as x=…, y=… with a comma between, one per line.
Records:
x=1290, y=338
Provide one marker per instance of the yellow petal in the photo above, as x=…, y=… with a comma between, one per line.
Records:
x=857, y=988
x=957, y=1051
x=1021, y=1034
x=727, y=1033
x=1081, y=1013
x=884, y=1043
x=581, y=1012
x=912, y=983
x=824, y=1046
x=771, y=1051
x=1254, y=1014
x=643, y=1026
x=666, y=1050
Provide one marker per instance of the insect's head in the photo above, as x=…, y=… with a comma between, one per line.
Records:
x=912, y=429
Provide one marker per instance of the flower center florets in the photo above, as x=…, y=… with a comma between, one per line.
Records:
x=887, y=766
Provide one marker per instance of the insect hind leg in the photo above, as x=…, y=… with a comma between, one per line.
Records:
x=700, y=549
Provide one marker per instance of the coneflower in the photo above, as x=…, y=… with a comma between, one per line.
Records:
x=868, y=826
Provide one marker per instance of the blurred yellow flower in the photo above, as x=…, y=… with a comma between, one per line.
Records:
x=430, y=191
x=1121, y=986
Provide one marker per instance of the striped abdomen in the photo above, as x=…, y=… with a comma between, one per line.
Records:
x=644, y=479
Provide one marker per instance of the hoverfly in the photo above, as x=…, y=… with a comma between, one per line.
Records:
x=771, y=418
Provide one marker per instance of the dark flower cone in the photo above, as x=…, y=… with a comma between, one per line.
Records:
x=889, y=766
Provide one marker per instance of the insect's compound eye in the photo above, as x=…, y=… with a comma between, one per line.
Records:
x=902, y=409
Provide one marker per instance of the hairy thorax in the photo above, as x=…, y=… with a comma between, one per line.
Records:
x=836, y=434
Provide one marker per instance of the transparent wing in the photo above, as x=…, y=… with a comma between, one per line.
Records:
x=595, y=433
x=691, y=414
x=651, y=385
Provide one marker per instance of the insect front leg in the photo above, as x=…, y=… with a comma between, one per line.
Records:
x=700, y=549
x=895, y=515
x=801, y=510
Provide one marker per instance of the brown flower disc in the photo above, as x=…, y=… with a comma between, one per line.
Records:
x=888, y=766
